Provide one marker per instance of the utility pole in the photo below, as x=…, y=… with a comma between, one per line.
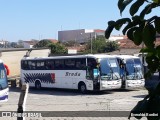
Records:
x=91, y=41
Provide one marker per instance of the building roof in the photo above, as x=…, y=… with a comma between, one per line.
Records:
x=53, y=40
x=30, y=42
x=127, y=43
x=99, y=31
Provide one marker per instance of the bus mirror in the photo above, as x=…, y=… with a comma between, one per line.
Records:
x=121, y=65
x=98, y=61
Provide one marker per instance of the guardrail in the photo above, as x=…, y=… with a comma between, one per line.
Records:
x=20, y=49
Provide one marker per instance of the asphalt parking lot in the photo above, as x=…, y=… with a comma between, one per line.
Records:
x=72, y=100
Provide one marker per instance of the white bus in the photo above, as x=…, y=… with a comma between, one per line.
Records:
x=83, y=72
x=4, y=90
x=131, y=71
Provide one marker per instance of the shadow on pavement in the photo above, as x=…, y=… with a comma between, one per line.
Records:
x=14, y=89
x=65, y=92
x=68, y=92
x=139, y=96
x=59, y=92
x=124, y=90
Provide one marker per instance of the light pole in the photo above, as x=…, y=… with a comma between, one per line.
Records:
x=91, y=41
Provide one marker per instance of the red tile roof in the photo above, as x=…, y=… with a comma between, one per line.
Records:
x=99, y=31
x=53, y=40
x=30, y=42
x=126, y=43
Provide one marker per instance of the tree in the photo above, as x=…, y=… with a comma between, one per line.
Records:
x=142, y=30
x=42, y=43
x=70, y=43
x=13, y=44
x=20, y=44
x=57, y=48
x=101, y=45
x=111, y=46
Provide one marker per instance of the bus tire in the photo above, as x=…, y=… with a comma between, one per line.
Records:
x=38, y=85
x=82, y=88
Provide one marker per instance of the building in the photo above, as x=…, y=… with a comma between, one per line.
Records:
x=117, y=37
x=53, y=40
x=28, y=44
x=3, y=43
x=80, y=35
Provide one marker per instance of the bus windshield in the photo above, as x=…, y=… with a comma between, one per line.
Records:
x=133, y=69
x=109, y=69
x=3, y=79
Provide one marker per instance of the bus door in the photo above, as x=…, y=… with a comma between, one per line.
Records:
x=92, y=73
x=122, y=72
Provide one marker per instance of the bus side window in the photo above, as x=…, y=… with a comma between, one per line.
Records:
x=49, y=65
x=91, y=64
x=70, y=64
x=24, y=65
x=40, y=65
x=81, y=64
x=32, y=65
x=59, y=64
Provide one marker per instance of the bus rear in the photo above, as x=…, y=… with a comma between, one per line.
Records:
x=4, y=90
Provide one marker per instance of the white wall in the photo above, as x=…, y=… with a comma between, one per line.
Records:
x=26, y=45
x=13, y=59
x=114, y=38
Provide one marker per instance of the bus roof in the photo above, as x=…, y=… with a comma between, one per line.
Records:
x=126, y=56
x=72, y=56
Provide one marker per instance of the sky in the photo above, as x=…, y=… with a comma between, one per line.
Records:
x=42, y=19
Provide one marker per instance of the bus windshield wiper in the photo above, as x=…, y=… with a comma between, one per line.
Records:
x=136, y=72
x=113, y=73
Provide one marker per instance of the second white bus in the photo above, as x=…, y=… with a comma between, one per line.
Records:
x=83, y=72
x=131, y=71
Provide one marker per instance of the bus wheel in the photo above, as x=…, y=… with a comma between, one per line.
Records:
x=37, y=85
x=82, y=88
